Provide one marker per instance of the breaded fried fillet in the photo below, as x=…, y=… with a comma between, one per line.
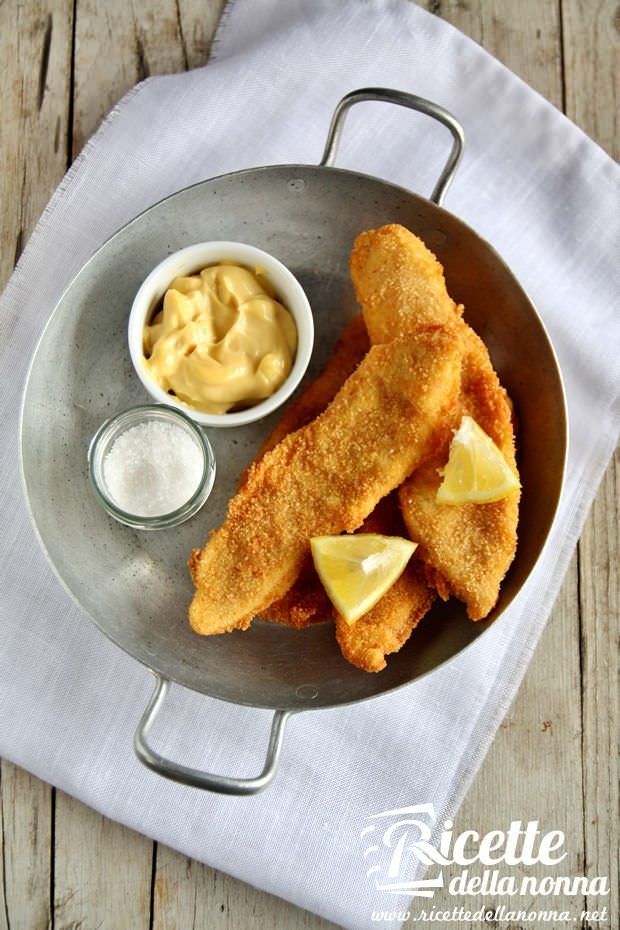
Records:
x=348, y=353
x=471, y=546
x=387, y=627
x=391, y=414
x=421, y=283
x=306, y=602
x=303, y=604
x=399, y=283
x=468, y=548
x=389, y=624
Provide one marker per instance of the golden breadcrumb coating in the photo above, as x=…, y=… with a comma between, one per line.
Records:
x=348, y=353
x=399, y=283
x=390, y=623
x=468, y=548
x=391, y=414
x=306, y=602
x=387, y=626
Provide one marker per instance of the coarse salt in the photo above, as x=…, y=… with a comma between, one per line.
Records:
x=152, y=469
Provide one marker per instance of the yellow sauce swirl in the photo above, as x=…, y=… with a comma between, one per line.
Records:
x=222, y=341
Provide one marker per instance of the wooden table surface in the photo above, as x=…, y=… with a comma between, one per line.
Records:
x=64, y=64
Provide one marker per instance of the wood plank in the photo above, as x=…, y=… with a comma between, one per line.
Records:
x=4, y=898
x=591, y=37
x=26, y=816
x=35, y=38
x=530, y=771
x=102, y=871
x=465, y=16
x=192, y=896
x=523, y=34
x=199, y=20
x=591, y=33
x=118, y=44
x=600, y=633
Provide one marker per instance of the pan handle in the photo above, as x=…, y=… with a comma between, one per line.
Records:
x=402, y=99
x=194, y=778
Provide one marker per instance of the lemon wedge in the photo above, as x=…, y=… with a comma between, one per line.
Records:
x=477, y=472
x=358, y=570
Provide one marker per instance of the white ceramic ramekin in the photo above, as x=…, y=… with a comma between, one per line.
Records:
x=193, y=259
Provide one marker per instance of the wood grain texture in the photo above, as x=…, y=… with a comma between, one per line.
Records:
x=554, y=758
x=35, y=51
x=600, y=610
x=102, y=871
x=192, y=896
x=35, y=47
x=118, y=44
x=198, y=24
x=525, y=36
x=591, y=41
x=530, y=772
x=591, y=33
x=26, y=816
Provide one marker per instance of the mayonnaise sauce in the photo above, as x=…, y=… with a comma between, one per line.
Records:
x=222, y=341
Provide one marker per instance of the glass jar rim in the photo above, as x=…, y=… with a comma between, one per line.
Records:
x=172, y=517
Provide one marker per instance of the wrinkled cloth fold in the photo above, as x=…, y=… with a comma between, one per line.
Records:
x=531, y=183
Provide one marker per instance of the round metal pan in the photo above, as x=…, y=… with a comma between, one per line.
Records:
x=135, y=586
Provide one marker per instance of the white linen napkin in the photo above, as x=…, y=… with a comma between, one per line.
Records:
x=531, y=183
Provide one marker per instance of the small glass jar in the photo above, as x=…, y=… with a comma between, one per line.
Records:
x=110, y=431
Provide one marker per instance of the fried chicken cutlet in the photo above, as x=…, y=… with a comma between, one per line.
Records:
x=398, y=283
x=468, y=548
x=387, y=626
x=348, y=353
x=415, y=281
x=306, y=602
x=390, y=623
x=391, y=414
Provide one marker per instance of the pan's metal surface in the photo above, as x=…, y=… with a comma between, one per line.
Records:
x=135, y=586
